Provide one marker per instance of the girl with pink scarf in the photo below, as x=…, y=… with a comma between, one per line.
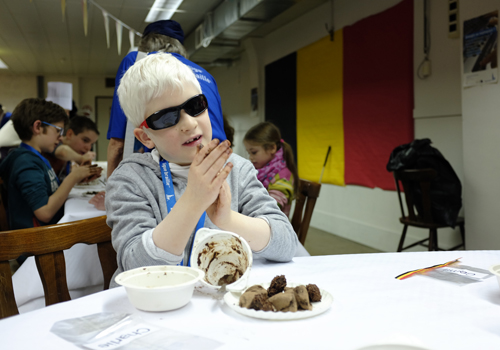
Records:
x=273, y=158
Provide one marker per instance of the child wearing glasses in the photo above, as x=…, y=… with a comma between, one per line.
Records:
x=274, y=161
x=156, y=201
x=35, y=196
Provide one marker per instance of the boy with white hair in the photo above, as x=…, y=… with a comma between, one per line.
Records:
x=210, y=186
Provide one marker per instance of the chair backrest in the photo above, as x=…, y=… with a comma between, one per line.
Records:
x=421, y=178
x=4, y=221
x=47, y=243
x=307, y=194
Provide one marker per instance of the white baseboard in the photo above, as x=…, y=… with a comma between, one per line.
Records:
x=385, y=239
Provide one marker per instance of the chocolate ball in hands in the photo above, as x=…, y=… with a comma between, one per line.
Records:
x=95, y=172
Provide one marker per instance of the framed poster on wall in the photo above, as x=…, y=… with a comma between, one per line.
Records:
x=480, y=50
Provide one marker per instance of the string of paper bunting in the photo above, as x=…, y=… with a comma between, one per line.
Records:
x=106, y=15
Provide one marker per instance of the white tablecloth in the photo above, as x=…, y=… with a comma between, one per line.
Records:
x=370, y=307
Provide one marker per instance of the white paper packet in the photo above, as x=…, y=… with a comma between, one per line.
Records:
x=126, y=332
x=459, y=274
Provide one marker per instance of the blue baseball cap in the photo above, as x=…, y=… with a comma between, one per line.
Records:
x=166, y=27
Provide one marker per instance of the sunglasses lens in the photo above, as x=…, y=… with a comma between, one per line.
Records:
x=170, y=116
x=196, y=105
x=165, y=120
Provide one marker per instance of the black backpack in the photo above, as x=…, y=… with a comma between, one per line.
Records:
x=446, y=189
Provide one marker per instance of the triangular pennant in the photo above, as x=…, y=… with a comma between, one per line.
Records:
x=106, y=26
x=63, y=8
x=131, y=36
x=85, y=17
x=119, y=37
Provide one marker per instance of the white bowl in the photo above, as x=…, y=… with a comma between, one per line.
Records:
x=495, y=269
x=233, y=254
x=160, y=288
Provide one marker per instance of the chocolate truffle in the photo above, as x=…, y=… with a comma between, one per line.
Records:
x=284, y=302
x=314, y=293
x=246, y=299
x=257, y=289
x=302, y=297
x=278, y=284
x=260, y=302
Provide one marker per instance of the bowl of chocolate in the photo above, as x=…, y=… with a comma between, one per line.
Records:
x=224, y=257
x=159, y=288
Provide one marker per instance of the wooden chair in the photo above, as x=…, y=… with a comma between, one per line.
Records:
x=307, y=194
x=4, y=221
x=47, y=243
x=423, y=178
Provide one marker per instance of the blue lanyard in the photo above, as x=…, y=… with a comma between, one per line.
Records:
x=29, y=148
x=168, y=187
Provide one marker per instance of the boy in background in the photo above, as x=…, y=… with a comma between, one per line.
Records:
x=35, y=196
x=75, y=146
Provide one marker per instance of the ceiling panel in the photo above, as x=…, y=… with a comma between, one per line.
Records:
x=36, y=39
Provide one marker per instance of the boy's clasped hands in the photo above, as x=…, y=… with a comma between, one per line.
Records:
x=207, y=185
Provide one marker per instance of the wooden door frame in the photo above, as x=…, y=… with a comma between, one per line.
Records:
x=96, y=100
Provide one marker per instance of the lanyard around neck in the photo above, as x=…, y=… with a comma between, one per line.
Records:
x=31, y=149
x=168, y=187
x=68, y=168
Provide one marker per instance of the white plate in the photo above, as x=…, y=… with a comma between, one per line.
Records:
x=319, y=307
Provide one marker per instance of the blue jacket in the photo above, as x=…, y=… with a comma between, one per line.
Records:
x=118, y=120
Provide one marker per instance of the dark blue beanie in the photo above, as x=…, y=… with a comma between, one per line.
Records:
x=166, y=27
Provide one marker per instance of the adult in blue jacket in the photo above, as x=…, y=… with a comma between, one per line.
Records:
x=166, y=36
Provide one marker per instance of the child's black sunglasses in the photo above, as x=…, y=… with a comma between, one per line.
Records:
x=165, y=118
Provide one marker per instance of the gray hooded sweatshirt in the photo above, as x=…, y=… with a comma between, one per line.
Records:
x=135, y=205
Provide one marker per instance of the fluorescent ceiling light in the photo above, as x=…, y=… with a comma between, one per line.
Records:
x=162, y=9
x=3, y=65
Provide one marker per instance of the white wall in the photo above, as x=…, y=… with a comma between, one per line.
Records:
x=438, y=108
x=481, y=125
x=15, y=88
x=368, y=216
x=90, y=87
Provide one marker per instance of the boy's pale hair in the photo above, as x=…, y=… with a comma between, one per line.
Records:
x=149, y=78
